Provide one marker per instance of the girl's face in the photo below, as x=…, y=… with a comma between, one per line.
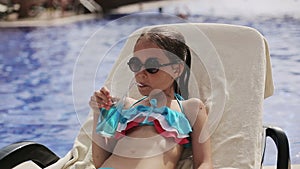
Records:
x=163, y=79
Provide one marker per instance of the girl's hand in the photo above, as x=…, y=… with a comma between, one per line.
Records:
x=101, y=99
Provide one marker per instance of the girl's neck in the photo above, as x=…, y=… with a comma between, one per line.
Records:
x=163, y=98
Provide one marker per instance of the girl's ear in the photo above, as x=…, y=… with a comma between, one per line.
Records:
x=178, y=69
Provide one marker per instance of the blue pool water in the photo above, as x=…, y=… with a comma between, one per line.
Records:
x=37, y=65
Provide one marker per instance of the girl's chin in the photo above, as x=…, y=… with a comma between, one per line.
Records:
x=144, y=91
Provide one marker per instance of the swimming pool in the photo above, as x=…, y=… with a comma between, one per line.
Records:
x=36, y=73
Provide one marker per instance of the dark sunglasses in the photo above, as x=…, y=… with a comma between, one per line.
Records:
x=151, y=65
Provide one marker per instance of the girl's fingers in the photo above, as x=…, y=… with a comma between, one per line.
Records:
x=104, y=96
x=100, y=103
x=101, y=99
x=93, y=104
x=96, y=105
x=105, y=91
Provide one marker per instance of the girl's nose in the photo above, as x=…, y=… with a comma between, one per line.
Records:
x=142, y=74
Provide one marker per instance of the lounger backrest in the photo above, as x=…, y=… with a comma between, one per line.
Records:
x=244, y=58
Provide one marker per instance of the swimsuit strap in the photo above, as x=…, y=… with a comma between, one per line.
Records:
x=178, y=97
x=138, y=101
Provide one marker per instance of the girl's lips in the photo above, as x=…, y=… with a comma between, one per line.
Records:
x=141, y=85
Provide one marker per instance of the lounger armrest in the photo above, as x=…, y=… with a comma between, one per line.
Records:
x=17, y=153
x=280, y=139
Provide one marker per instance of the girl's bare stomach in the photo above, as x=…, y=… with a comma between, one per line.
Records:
x=143, y=148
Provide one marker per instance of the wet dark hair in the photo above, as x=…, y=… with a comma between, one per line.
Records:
x=172, y=42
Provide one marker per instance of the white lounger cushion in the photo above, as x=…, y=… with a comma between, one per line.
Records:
x=237, y=141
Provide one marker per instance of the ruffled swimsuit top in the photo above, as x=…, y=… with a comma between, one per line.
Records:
x=116, y=122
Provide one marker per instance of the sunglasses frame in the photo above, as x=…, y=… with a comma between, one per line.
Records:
x=152, y=69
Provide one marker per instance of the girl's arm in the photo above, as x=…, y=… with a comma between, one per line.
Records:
x=101, y=146
x=201, y=151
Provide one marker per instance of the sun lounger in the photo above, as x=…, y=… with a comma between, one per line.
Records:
x=238, y=140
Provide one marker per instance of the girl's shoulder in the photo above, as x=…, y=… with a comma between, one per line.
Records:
x=192, y=105
x=192, y=102
x=194, y=108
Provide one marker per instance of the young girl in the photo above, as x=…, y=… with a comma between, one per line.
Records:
x=153, y=131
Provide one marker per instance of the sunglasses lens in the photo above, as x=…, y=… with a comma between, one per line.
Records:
x=152, y=65
x=135, y=64
x=152, y=70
